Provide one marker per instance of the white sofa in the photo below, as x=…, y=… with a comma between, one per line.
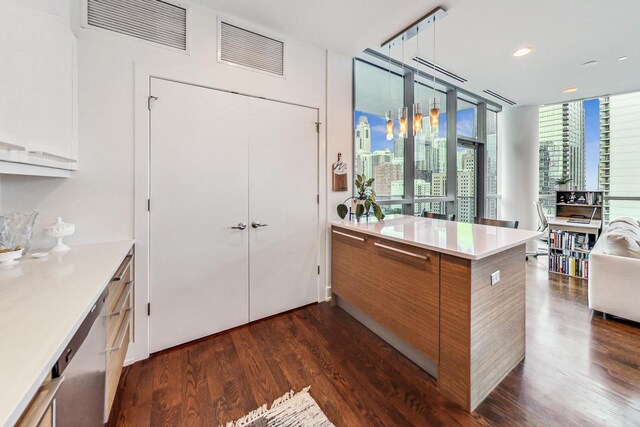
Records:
x=614, y=270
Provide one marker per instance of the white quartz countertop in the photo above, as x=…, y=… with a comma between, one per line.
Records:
x=470, y=241
x=42, y=304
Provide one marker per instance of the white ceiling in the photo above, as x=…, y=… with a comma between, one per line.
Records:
x=477, y=38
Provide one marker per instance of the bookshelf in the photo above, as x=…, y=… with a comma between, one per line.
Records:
x=579, y=203
x=570, y=243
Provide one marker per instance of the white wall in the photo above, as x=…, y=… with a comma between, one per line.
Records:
x=519, y=161
x=339, y=134
x=99, y=197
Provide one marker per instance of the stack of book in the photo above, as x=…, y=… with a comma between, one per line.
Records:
x=569, y=253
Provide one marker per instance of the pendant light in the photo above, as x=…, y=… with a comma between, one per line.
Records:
x=390, y=130
x=403, y=111
x=434, y=108
x=417, y=106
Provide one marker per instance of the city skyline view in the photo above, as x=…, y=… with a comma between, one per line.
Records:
x=378, y=126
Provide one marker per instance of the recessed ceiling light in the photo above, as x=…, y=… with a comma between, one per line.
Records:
x=590, y=63
x=522, y=51
x=623, y=58
x=570, y=89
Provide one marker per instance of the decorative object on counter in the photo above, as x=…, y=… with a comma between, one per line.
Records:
x=572, y=197
x=16, y=229
x=562, y=200
x=563, y=183
x=9, y=257
x=363, y=201
x=340, y=175
x=58, y=231
x=582, y=200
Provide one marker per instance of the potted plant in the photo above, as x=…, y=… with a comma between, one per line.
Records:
x=363, y=201
x=562, y=183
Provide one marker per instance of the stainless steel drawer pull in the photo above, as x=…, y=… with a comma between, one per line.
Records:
x=125, y=294
x=122, y=332
x=349, y=235
x=390, y=248
x=44, y=396
x=52, y=156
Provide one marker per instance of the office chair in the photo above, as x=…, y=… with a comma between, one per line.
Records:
x=439, y=216
x=542, y=228
x=496, y=222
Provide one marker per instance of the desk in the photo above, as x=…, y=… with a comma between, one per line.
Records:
x=570, y=244
x=561, y=223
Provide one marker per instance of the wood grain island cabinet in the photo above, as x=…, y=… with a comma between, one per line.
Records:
x=425, y=286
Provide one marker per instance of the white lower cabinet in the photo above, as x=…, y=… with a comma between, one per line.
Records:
x=234, y=228
x=37, y=92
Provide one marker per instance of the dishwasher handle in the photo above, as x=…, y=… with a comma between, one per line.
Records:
x=79, y=337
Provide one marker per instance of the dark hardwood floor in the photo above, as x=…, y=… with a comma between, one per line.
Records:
x=580, y=370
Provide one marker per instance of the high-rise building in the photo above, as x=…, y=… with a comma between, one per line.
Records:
x=618, y=171
x=386, y=173
x=562, y=149
x=363, y=135
x=466, y=187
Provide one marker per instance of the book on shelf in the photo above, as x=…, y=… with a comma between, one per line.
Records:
x=569, y=253
x=569, y=265
x=569, y=240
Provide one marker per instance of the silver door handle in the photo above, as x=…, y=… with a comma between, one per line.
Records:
x=240, y=226
x=390, y=248
x=258, y=225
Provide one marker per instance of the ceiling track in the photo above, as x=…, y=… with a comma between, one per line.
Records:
x=439, y=69
x=500, y=97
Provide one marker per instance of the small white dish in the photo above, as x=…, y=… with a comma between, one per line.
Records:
x=39, y=254
x=7, y=258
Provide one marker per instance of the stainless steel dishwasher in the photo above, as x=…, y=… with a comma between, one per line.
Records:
x=80, y=400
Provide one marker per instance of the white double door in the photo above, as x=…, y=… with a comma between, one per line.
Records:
x=220, y=162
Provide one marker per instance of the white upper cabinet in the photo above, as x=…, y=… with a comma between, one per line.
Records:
x=37, y=92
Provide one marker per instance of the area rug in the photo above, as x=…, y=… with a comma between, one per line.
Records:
x=290, y=410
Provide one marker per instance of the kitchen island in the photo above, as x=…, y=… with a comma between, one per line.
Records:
x=449, y=295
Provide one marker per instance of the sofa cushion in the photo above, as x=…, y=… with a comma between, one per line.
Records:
x=626, y=220
x=627, y=226
x=621, y=242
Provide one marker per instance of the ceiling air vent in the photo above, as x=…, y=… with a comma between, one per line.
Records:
x=500, y=97
x=439, y=69
x=151, y=20
x=248, y=49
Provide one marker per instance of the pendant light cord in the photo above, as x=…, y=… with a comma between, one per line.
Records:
x=389, y=82
x=434, y=59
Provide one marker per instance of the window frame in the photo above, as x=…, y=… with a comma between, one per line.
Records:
x=409, y=200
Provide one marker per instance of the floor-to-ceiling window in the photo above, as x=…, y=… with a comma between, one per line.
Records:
x=430, y=154
x=592, y=144
x=491, y=182
x=375, y=155
x=618, y=171
x=424, y=173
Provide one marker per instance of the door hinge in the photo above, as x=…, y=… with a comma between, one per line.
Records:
x=149, y=205
x=148, y=309
x=318, y=126
x=150, y=99
x=318, y=269
x=318, y=198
